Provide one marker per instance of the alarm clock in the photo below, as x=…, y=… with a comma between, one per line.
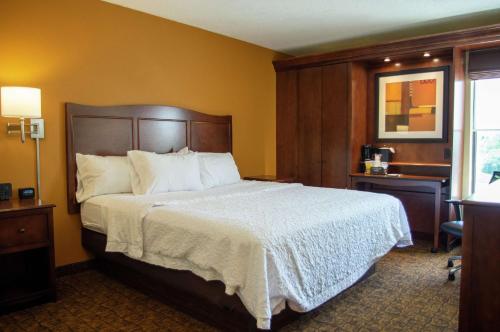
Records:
x=5, y=191
x=26, y=193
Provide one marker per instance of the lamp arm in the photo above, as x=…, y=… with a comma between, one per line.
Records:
x=23, y=134
x=35, y=128
x=38, y=186
x=37, y=131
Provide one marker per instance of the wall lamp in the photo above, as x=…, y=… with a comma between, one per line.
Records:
x=22, y=103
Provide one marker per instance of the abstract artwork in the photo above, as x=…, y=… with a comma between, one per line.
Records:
x=411, y=105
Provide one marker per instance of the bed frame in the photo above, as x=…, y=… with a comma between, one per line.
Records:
x=114, y=130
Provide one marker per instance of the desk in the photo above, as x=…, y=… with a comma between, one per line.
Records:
x=479, y=285
x=436, y=183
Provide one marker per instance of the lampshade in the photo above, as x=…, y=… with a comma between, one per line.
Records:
x=20, y=102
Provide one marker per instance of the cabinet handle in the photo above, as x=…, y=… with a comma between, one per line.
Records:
x=21, y=230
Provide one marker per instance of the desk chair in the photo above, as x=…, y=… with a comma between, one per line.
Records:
x=453, y=228
x=495, y=176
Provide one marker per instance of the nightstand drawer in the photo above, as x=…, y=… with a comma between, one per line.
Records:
x=25, y=230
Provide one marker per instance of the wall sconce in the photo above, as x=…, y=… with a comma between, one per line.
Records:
x=18, y=102
x=21, y=103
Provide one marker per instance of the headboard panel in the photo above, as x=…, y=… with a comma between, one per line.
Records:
x=209, y=136
x=114, y=130
x=162, y=136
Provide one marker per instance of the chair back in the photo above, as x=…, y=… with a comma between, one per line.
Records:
x=456, y=206
x=495, y=176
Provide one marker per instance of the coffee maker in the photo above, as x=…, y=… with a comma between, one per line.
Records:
x=367, y=152
x=386, y=153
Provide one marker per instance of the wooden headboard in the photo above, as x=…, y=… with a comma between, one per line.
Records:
x=114, y=130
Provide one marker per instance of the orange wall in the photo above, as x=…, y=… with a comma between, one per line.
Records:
x=92, y=52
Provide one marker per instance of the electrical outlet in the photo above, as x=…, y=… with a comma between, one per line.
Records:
x=37, y=128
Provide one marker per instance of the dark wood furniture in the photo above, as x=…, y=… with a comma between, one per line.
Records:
x=27, y=273
x=205, y=300
x=269, y=178
x=325, y=111
x=435, y=183
x=479, y=284
x=113, y=130
x=312, y=117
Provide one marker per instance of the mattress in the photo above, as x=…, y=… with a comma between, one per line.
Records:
x=91, y=213
x=271, y=244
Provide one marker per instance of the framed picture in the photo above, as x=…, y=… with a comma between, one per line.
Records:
x=412, y=105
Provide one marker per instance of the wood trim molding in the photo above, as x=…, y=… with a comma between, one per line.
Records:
x=475, y=37
x=74, y=268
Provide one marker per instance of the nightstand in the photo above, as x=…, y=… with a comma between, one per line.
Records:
x=269, y=178
x=27, y=273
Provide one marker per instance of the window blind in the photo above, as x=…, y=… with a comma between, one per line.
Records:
x=484, y=64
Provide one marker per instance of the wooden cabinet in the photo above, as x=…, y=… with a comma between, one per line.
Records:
x=286, y=123
x=309, y=126
x=312, y=122
x=342, y=83
x=479, y=284
x=26, y=254
x=334, y=133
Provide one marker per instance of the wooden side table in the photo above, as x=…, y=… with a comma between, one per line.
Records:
x=27, y=272
x=269, y=178
x=436, y=183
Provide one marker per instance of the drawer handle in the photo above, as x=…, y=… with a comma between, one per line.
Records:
x=21, y=230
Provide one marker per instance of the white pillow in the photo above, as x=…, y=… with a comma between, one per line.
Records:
x=98, y=175
x=153, y=173
x=217, y=169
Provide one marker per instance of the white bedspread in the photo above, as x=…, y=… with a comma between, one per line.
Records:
x=269, y=243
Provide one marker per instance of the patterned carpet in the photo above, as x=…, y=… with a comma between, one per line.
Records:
x=409, y=292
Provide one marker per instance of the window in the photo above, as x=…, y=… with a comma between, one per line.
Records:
x=486, y=131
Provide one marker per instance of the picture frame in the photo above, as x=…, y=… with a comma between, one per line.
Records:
x=412, y=105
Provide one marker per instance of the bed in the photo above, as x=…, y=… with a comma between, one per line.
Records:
x=267, y=242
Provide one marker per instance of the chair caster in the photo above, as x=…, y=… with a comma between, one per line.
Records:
x=434, y=250
x=451, y=276
x=450, y=263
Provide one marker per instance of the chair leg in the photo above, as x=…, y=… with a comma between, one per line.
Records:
x=453, y=258
x=451, y=273
x=448, y=242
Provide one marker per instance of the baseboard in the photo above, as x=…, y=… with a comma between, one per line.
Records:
x=74, y=268
x=422, y=236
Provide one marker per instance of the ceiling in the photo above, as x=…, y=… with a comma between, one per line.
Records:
x=296, y=26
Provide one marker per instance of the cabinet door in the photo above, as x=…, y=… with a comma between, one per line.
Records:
x=286, y=124
x=479, y=286
x=334, y=126
x=309, y=127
